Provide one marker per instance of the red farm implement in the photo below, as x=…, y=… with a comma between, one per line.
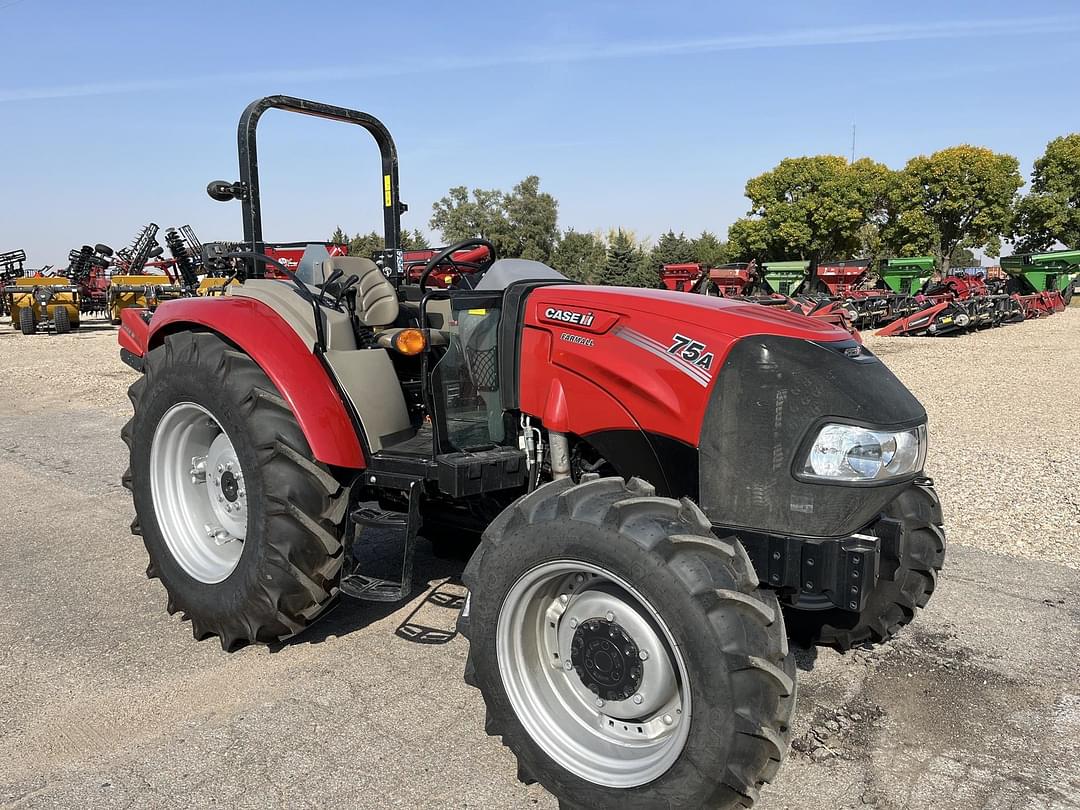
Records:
x=957, y=303
x=841, y=278
x=727, y=280
x=775, y=285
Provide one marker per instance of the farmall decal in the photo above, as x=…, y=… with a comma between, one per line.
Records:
x=569, y=316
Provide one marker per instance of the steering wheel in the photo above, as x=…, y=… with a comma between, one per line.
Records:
x=446, y=255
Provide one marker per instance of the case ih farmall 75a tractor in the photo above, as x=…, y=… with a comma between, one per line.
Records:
x=668, y=487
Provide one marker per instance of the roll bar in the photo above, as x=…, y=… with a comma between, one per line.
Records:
x=247, y=189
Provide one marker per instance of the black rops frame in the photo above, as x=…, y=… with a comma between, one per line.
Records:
x=247, y=191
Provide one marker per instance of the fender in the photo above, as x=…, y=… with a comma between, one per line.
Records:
x=262, y=334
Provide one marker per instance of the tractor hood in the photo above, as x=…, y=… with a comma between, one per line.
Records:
x=705, y=397
x=737, y=318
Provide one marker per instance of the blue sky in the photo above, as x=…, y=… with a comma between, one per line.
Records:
x=641, y=114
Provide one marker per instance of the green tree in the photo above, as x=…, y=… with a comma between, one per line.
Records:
x=521, y=224
x=708, y=251
x=339, y=237
x=959, y=197
x=672, y=249
x=459, y=216
x=1050, y=212
x=414, y=240
x=580, y=256
x=748, y=240
x=811, y=208
x=627, y=264
x=366, y=244
x=871, y=243
x=962, y=257
x=533, y=218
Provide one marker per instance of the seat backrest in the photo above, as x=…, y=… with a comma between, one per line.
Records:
x=376, y=298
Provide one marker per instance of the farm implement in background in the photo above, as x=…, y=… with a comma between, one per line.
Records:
x=131, y=285
x=959, y=302
x=88, y=270
x=42, y=303
x=776, y=284
x=12, y=266
x=1043, y=283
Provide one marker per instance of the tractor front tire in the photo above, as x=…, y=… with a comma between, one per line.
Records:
x=904, y=586
x=26, y=321
x=61, y=321
x=285, y=571
x=626, y=655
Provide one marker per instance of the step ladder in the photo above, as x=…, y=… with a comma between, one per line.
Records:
x=365, y=519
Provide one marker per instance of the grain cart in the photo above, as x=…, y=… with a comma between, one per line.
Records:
x=908, y=275
x=659, y=477
x=1048, y=274
x=729, y=280
x=12, y=266
x=841, y=277
x=785, y=278
x=130, y=284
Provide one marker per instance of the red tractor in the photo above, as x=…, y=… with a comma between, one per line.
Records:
x=667, y=486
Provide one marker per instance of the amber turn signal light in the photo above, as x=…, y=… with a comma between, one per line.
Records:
x=410, y=341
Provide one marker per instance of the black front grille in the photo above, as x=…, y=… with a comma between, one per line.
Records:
x=772, y=394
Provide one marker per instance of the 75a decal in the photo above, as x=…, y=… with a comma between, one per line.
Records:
x=691, y=350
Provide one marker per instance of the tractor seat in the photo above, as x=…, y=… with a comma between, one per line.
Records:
x=376, y=298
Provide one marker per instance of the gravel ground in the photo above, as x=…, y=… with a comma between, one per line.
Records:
x=105, y=701
x=1004, y=407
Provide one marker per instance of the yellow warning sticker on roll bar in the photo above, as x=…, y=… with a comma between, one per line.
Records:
x=386, y=190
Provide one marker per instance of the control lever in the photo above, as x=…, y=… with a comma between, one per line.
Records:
x=338, y=273
x=349, y=282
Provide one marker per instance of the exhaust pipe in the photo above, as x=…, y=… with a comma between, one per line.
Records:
x=560, y=455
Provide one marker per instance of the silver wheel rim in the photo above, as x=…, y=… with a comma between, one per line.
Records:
x=616, y=742
x=197, y=485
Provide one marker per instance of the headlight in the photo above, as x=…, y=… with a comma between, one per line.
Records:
x=849, y=453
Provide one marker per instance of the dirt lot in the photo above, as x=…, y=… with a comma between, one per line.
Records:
x=106, y=701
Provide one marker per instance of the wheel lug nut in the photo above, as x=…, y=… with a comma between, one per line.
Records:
x=610, y=616
x=573, y=622
x=220, y=468
x=643, y=655
x=668, y=720
x=564, y=598
x=638, y=699
x=568, y=665
x=599, y=703
x=220, y=498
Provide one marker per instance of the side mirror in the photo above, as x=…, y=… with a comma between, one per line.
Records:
x=223, y=190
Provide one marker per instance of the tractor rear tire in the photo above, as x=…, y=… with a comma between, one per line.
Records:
x=26, y=321
x=287, y=571
x=903, y=587
x=61, y=321
x=722, y=635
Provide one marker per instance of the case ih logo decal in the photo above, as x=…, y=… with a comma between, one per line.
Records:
x=685, y=354
x=568, y=316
